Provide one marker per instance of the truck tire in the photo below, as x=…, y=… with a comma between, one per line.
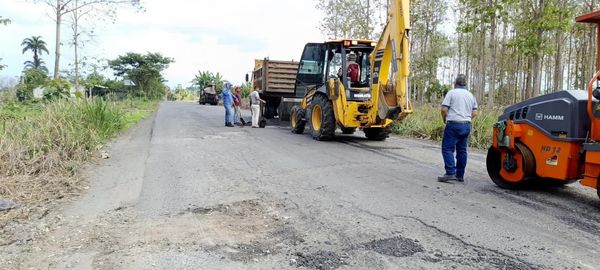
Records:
x=377, y=134
x=297, y=120
x=270, y=108
x=321, y=118
x=348, y=130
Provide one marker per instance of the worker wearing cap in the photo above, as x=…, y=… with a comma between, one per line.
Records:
x=458, y=109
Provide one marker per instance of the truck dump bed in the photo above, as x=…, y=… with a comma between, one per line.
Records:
x=273, y=77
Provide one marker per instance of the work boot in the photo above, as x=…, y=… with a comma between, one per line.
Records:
x=446, y=177
x=228, y=125
x=460, y=179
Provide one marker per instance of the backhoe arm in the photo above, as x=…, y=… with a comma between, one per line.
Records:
x=390, y=62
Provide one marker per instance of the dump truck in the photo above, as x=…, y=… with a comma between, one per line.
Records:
x=275, y=81
x=208, y=95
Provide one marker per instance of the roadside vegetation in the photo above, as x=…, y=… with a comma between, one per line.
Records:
x=45, y=144
x=50, y=128
x=426, y=123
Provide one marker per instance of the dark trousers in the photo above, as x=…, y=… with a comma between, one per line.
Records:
x=456, y=137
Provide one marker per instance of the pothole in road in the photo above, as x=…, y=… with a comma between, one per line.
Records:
x=245, y=207
x=244, y=230
x=321, y=260
x=397, y=246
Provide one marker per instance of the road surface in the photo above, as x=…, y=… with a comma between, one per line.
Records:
x=181, y=191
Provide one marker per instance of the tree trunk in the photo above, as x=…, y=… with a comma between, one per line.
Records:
x=569, y=63
x=76, y=44
x=482, y=66
x=558, y=69
x=493, y=48
x=529, y=79
x=59, y=7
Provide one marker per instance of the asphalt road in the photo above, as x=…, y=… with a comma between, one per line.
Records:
x=181, y=191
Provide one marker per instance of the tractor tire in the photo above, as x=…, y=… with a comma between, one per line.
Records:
x=321, y=118
x=526, y=167
x=377, y=134
x=297, y=120
x=348, y=131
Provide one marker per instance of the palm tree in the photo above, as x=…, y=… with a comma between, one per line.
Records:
x=41, y=65
x=218, y=82
x=203, y=79
x=38, y=47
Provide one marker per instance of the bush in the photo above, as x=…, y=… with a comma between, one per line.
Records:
x=24, y=92
x=426, y=123
x=57, y=89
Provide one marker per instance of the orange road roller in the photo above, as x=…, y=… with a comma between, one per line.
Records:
x=552, y=139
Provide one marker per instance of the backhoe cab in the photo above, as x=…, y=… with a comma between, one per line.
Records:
x=368, y=93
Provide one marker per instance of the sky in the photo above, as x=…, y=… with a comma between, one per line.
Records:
x=222, y=36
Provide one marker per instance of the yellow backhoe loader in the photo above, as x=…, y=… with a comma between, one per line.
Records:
x=336, y=95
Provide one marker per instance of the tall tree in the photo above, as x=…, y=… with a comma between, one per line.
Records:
x=429, y=45
x=143, y=70
x=347, y=18
x=36, y=45
x=61, y=8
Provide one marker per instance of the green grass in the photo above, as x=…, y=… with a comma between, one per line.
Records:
x=426, y=123
x=43, y=145
x=56, y=137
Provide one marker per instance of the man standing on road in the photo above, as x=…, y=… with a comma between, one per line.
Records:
x=458, y=109
x=255, y=99
x=228, y=103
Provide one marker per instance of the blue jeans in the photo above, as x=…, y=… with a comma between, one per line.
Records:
x=228, y=113
x=456, y=137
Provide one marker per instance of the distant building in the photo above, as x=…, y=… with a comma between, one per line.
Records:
x=38, y=92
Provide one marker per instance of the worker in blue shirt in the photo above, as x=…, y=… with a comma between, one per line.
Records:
x=228, y=103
